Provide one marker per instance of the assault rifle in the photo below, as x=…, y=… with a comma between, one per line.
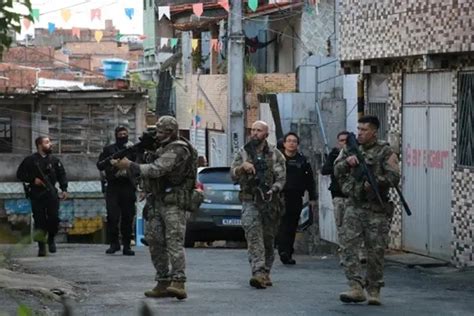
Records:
x=147, y=141
x=47, y=184
x=260, y=166
x=353, y=148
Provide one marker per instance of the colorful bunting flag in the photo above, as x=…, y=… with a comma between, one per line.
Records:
x=164, y=11
x=164, y=42
x=26, y=23
x=98, y=36
x=66, y=14
x=174, y=42
x=194, y=43
x=224, y=4
x=201, y=105
x=253, y=5
x=35, y=13
x=129, y=12
x=76, y=32
x=96, y=13
x=215, y=44
x=197, y=120
x=198, y=9
x=51, y=27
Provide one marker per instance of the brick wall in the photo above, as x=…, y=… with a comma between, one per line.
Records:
x=377, y=29
x=215, y=87
x=263, y=84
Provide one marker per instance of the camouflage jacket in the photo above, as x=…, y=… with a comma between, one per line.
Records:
x=383, y=162
x=275, y=175
x=170, y=170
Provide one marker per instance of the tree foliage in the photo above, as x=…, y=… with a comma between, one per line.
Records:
x=10, y=20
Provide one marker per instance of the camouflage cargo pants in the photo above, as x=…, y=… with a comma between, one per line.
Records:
x=261, y=227
x=339, y=204
x=165, y=231
x=359, y=226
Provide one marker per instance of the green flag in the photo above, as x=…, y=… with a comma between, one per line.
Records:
x=174, y=42
x=35, y=13
x=253, y=5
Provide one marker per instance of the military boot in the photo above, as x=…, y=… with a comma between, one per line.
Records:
x=51, y=244
x=354, y=295
x=268, y=280
x=114, y=247
x=373, y=296
x=159, y=290
x=41, y=249
x=127, y=251
x=258, y=281
x=177, y=289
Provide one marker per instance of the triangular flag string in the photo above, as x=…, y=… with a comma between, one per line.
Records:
x=224, y=4
x=253, y=5
x=51, y=27
x=164, y=11
x=76, y=32
x=96, y=14
x=198, y=9
x=98, y=36
x=35, y=13
x=194, y=43
x=66, y=14
x=129, y=12
x=163, y=42
x=173, y=42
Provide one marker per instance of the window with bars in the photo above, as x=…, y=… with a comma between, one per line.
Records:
x=6, y=144
x=465, y=141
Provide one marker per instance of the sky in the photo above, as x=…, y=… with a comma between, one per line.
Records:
x=50, y=11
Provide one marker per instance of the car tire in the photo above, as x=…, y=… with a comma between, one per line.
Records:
x=188, y=240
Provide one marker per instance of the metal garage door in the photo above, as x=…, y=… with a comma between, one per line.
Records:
x=427, y=162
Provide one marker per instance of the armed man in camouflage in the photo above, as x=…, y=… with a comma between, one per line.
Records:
x=365, y=218
x=172, y=179
x=260, y=170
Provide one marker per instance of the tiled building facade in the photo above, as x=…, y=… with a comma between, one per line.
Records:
x=401, y=37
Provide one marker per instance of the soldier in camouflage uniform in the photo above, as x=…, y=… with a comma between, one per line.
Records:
x=365, y=219
x=261, y=203
x=172, y=178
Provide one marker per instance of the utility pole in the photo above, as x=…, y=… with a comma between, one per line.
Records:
x=235, y=73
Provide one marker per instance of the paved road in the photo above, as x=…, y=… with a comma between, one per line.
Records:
x=218, y=285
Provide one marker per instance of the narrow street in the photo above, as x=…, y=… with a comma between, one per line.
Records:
x=218, y=285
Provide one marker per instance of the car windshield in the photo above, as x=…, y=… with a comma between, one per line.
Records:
x=218, y=186
x=215, y=175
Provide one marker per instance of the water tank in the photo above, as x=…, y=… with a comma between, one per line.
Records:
x=114, y=68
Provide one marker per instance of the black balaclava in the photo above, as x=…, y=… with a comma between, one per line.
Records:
x=121, y=141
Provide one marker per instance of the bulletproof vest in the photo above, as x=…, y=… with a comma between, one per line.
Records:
x=249, y=183
x=184, y=175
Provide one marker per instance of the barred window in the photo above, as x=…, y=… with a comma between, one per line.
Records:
x=6, y=144
x=465, y=145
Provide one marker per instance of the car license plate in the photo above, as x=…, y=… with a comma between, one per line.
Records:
x=231, y=222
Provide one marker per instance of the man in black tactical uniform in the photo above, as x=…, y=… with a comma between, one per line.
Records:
x=120, y=195
x=299, y=178
x=40, y=172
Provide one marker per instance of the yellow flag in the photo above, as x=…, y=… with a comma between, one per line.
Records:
x=98, y=36
x=194, y=43
x=66, y=14
x=201, y=105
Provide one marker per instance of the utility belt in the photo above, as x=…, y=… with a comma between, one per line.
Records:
x=189, y=200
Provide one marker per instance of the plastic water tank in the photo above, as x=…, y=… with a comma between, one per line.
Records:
x=114, y=68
